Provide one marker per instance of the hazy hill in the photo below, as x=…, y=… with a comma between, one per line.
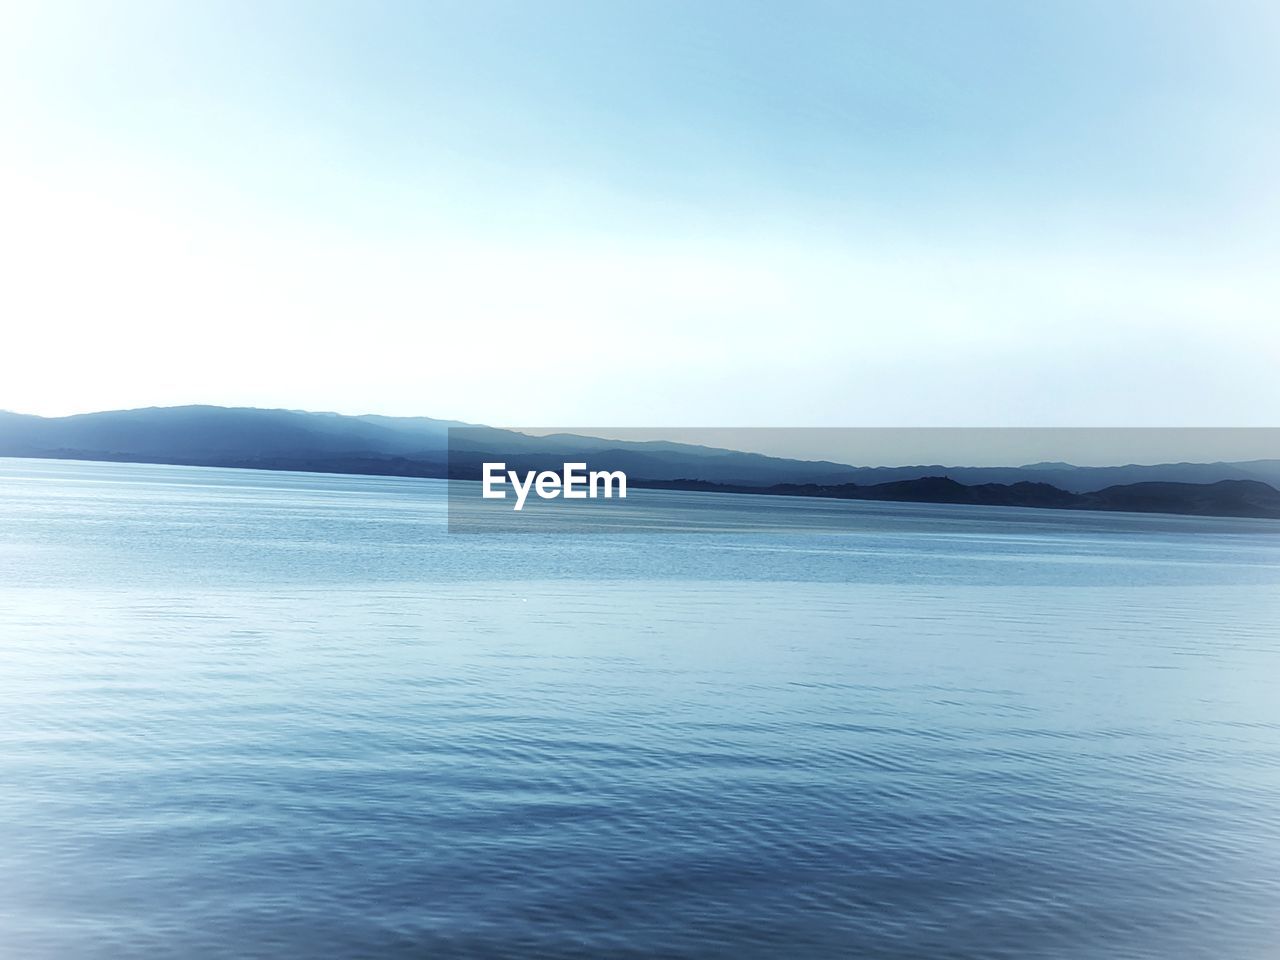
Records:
x=207, y=434
x=329, y=442
x=1225, y=498
x=418, y=446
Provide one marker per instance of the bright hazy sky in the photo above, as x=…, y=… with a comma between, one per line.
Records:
x=706, y=213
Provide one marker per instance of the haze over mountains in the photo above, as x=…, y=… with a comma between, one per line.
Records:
x=421, y=447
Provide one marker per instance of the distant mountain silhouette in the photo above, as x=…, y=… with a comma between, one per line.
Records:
x=221, y=435
x=1225, y=498
x=334, y=443
x=422, y=447
x=1077, y=479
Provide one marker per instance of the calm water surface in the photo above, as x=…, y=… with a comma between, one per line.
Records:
x=262, y=715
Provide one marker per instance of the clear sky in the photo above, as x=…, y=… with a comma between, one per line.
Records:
x=615, y=213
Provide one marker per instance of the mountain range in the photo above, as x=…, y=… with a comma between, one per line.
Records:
x=422, y=447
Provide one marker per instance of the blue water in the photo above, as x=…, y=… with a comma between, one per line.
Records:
x=266, y=715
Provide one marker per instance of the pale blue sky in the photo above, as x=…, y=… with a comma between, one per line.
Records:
x=646, y=213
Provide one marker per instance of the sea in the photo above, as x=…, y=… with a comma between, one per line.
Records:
x=247, y=714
